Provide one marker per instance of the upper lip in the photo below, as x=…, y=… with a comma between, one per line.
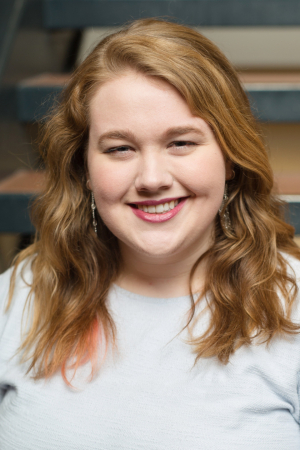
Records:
x=156, y=202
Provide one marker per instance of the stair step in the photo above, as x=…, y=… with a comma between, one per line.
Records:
x=16, y=194
x=274, y=96
x=22, y=182
x=93, y=13
x=270, y=78
x=287, y=184
x=19, y=189
x=35, y=96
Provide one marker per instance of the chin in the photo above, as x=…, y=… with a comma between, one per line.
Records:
x=158, y=251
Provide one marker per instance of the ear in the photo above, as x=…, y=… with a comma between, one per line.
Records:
x=229, y=172
x=88, y=184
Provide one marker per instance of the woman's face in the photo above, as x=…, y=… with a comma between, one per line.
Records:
x=157, y=172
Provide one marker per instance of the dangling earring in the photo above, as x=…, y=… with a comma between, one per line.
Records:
x=93, y=206
x=225, y=218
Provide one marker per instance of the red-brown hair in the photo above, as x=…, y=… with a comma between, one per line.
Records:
x=250, y=289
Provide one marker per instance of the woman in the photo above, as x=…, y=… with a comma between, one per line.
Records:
x=160, y=295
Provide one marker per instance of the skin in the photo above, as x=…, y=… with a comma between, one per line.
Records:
x=160, y=150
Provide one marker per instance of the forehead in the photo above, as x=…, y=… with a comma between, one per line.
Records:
x=133, y=88
x=136, y=101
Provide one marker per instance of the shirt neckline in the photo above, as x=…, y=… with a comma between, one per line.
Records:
x=136, y=296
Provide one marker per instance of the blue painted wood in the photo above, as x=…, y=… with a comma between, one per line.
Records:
x=275, y=105
x=14, y=213
x=293, y=215
x=35, y=102
x=89, y=13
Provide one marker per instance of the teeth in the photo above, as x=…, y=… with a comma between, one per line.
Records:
x=143, y=208
x=158, y=209
x=151, y=209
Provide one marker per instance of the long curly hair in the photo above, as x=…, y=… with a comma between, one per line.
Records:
x=251, y=289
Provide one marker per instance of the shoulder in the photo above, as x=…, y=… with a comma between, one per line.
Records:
x=4, y=285
x=293, y=271
x=293, y=266
x=23, y=279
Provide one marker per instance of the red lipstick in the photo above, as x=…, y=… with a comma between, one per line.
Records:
x=161, y=217
x=157, y=202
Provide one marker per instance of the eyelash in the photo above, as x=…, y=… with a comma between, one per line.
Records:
x=114, y=149
x=125, y=147
x=186, y=143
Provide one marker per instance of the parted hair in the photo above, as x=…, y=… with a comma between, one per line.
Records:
x=249, y=286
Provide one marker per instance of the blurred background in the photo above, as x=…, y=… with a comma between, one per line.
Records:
x=42, y=41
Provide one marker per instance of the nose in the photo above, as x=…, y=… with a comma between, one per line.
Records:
x=153, y=173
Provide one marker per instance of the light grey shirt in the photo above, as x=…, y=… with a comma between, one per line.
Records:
x=148, y=396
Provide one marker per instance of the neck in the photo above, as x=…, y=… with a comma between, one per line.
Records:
x=162, y=277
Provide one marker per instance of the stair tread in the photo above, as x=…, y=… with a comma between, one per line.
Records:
x=287, y=183
x=270, y=77
x=22, y=182
x=46, y=79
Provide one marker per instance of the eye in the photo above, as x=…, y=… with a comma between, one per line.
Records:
x=120, y=149
x=182, y=145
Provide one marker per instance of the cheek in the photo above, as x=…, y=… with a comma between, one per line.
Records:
x=107, y=187
x=109, y=182
x=205, y=176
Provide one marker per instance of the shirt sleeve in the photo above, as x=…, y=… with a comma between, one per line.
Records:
x=4, y=290
x=11, y=322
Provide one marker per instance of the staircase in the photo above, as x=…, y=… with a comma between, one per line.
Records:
x=274, y=95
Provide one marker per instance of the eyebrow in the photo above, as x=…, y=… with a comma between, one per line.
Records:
x=116, y=134
x=170, y=133
x=178, y=131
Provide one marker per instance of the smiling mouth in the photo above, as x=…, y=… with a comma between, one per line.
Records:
x=159, y=208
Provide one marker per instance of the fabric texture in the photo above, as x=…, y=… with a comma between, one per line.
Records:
x=148, y=395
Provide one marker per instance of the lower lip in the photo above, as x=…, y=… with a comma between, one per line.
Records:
x=157, y=218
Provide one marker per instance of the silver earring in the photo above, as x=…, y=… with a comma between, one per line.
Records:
x=225, y=218
x=93, y=206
